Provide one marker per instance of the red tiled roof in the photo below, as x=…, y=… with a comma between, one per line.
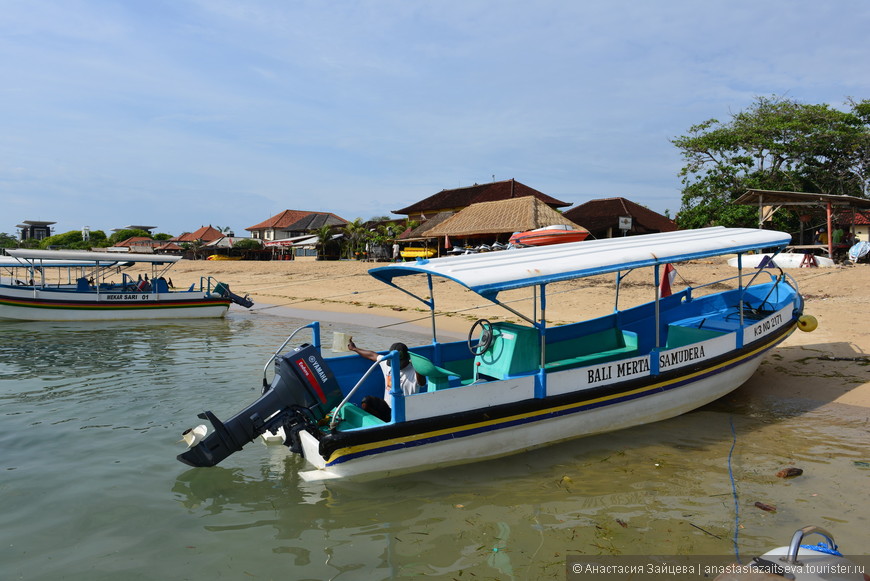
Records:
x=599, y=215
x=463, y=197
x=861, y=219
x=136, y=241
x=299, y=220
x=206, y=234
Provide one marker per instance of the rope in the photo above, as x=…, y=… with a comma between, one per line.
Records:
x=822, y=547
x=734, y=489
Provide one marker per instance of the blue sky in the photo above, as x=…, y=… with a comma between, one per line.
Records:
x=183, y=113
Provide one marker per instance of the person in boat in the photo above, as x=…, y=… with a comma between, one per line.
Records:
x=411, y=381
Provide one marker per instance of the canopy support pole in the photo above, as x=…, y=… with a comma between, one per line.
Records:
x=432, y=309
x=658, y=283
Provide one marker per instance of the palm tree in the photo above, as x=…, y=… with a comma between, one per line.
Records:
x=324, y=235
x=196, y=246
x=355, y=232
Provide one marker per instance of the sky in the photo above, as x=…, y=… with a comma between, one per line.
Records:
x=183, y=113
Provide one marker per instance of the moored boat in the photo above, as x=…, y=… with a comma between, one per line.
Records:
x=781, y=260
x=75, y=285
x=417, y=252
x=557, y=234
x=512, y=387
x=799, y=562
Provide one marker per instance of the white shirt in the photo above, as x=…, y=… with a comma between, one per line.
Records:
x=407, y=378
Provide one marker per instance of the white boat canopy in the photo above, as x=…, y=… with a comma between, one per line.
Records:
x=86, y=256
x=489, y=273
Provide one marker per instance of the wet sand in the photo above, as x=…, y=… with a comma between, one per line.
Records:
x=828, y=366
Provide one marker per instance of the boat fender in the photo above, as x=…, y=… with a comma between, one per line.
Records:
x=807, y=323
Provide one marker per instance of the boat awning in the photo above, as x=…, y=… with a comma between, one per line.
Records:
x=489, y=273
x=9, y=262
x=83, y=256
x=294, y=241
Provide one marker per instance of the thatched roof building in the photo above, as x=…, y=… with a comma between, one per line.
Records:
x=500, y=217
x=459, y=198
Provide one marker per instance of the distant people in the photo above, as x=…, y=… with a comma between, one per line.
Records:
x=410, y=380
x=838, y=235
x=848, y=239
x=395, y=252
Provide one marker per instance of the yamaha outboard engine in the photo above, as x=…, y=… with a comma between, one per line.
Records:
x=223, y=290
x=303, y=391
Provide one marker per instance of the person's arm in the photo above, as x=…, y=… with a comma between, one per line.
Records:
x=371, y=355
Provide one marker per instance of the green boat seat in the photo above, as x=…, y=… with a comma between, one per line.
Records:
x=679, y=336
x=436, y=377
x=600, y=347
x=354, y=417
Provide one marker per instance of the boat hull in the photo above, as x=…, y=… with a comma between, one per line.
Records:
x=548, y=237
x=41, y=305
x=622, y=406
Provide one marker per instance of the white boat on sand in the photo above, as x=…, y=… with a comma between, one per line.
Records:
x=514, y=387
x=781, y=260
x=77, y=285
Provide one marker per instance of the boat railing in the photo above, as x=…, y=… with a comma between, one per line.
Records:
x=735, y=277
x=315, y=332
x=798, y=537
x=207, y=283
x=336, y=414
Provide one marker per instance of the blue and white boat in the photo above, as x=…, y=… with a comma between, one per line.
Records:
x=77, y=285
x=514, y=387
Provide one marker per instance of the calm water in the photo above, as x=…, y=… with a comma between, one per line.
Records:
x=91, y=421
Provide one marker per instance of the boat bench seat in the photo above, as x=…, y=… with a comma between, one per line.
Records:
x=436, y=377
x=354, y=417
x=680, y=335
x=606, y=345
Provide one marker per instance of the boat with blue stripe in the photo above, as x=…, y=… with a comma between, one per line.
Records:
x=78, y=285
x=516, y=386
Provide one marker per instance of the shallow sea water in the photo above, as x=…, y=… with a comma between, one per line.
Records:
x=90, y=423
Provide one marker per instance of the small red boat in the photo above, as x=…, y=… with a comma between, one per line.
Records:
x=549, y=235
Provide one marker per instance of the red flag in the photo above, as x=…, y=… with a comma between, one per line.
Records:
x=667, y=280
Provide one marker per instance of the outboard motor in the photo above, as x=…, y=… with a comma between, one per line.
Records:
x=223, y=290
x=302, y=392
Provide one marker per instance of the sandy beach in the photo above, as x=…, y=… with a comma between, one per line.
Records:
x=830, y=366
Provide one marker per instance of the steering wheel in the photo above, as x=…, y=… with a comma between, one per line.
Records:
x=485, y=336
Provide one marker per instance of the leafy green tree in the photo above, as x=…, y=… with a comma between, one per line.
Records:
x=195, y=247
x=8, y=241
x=776, y=144
x=98, y=239
x=355, y=238
x=248, y=244
x=65, y=240
x=74, y=240
x=122, y=235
